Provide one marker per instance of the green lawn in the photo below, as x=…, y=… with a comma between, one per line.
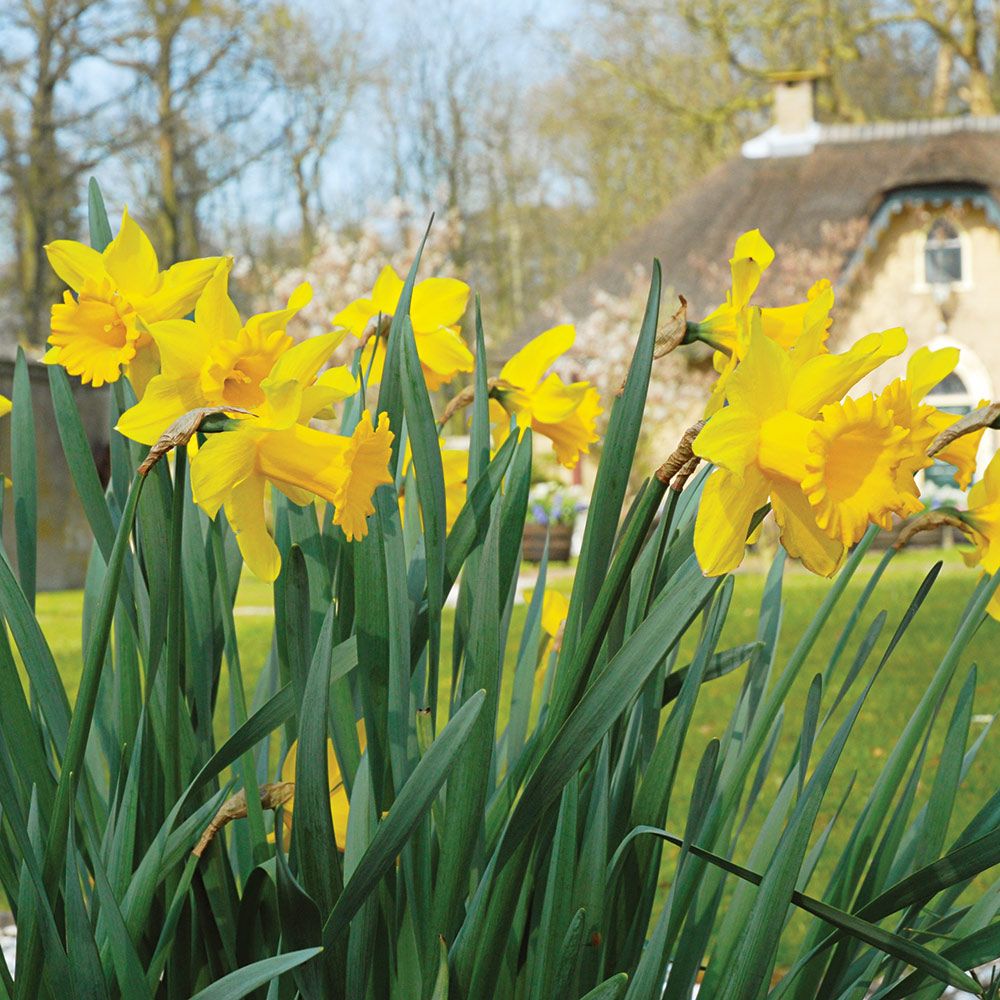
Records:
x=890, y=704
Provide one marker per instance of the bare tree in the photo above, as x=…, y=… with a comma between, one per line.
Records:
x=46, y=138
x=315, y=69
x=197, y=112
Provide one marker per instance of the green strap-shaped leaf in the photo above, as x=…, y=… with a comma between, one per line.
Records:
x=390, y=395
x=611, y=989
x=412, y=803
x=479, y=432
x=128, y=967
x=312, y=824
x=923, y=885
x=429, y=473
x=86, y=699
x=36, y=656
x=617, y=454
x=977, y=949
x=97, y=214
x=892, y=944
x=577, y=659
x=264, y=721
x=25, y=477
x=244, y=981
x=607, y=697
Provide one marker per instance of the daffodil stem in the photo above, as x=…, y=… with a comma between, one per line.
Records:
x=248, y=766
x=86, y=701
x=667, y=527
x=175, y=620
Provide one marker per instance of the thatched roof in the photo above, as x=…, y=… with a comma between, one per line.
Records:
x=815, y=209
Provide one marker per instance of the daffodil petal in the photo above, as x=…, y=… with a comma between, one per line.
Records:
x=801, y=536
x=301, y=362
x=182, y=348
x=386, y=292
x=573, y=436
x=725, y=510
x=746, y=278
x=751, y=245
x=214, y=312
x=355, y=316
x=75, y=263
x=555, y=608
x=828, y=377
x=180, y=288
x=245, y=513
x=282, y=406
x=223, y=462
x=926, y=368
x=526, y=368
x=553, y=400
x=331, y=387
x=438, y=302
x=164, y=401
x=272, y=322
x=729, y=440
x=373, y=360
x=761, y=382
x=131, y=261
x=444, y=352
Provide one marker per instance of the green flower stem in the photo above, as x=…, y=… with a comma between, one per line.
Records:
x=248, y=769
x=80, y=724
x=175, y=624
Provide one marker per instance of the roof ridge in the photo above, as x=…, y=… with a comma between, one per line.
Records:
x=909, y=129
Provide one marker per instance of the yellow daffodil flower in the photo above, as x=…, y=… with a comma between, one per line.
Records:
x=455, y=465
x=436, y=307
x=565, y=413
x=807, y=322
x=233, y=469
x=982, y=520
x=5, y=406
x=827, y=467
x=119, y=293
x=215, y=360
x=752, y=256
x=904, y=397
x=340, y=805
x=555, y=608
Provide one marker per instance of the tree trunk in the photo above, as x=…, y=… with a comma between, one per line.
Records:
x=942, y=79
x=169, y=214
x=978, y=95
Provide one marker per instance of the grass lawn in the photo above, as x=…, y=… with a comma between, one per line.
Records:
x=889, y=706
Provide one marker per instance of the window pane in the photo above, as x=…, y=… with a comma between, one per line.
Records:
x=950, y=385
x=943, y=264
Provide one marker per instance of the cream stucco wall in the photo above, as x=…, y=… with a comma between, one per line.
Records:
x=890, y=291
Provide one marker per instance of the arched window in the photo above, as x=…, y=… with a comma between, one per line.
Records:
x=951, y=395
x=943, y=254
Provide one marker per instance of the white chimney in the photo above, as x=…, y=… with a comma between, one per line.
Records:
x=793, y=104
x=794, y=131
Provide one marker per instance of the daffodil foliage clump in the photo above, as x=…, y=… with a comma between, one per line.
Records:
x=413, y=796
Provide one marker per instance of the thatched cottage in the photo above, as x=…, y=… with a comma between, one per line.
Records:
x=903, y=216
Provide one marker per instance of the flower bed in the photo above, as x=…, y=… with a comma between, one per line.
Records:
x=379, y=820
